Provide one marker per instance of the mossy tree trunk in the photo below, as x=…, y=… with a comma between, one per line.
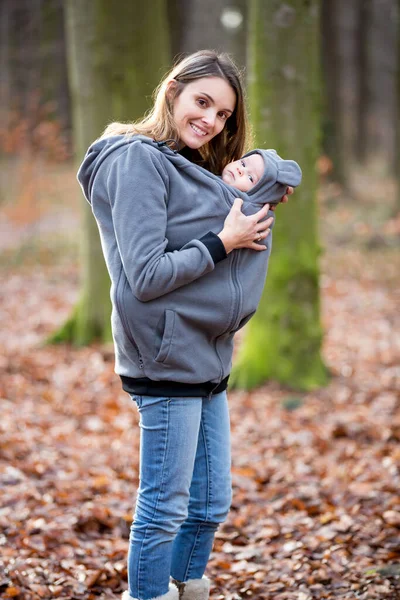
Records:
x=283, y=340
x=117, y=54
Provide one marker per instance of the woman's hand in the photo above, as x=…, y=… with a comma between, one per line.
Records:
x=245, y=232
x=289, y=192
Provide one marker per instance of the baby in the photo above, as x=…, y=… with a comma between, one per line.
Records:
x=257, y=169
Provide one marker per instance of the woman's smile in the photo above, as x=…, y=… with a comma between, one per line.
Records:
x=198, y=130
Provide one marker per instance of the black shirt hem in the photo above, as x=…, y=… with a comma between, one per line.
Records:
x=147, y=387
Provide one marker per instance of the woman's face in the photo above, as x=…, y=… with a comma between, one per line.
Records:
x=202, y=109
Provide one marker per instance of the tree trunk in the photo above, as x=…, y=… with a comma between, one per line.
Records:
x=23, y=39
x=340, y=25
x=53, y=61
x=5, y=68
x=283, y=340
x=33, y=64
x=114, y=65
x=397, y=208
x=378, y=95
x=211, y=24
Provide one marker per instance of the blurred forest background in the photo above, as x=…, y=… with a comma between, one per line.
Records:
x=315, y=448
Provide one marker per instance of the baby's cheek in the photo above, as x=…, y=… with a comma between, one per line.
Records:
x=245, y=186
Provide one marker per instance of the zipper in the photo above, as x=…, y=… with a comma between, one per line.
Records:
x=236, y=285
x=125, y=323
x=235, y=312
x=221, y=367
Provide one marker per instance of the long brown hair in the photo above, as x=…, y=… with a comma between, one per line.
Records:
x=159, y=123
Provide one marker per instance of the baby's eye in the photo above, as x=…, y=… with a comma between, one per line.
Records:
x=251, y=178
x=242, y=163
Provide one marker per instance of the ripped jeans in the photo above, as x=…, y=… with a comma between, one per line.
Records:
x=185, y=490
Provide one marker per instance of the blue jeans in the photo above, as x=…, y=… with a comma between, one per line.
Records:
x=185, y=490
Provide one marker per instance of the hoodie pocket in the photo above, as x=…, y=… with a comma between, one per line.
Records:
x=167, y=336
x=244, y=321
x=120, y=293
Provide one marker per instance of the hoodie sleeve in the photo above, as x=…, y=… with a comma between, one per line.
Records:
x=138, y=192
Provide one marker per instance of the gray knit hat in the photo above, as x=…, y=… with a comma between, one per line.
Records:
x=278, y=174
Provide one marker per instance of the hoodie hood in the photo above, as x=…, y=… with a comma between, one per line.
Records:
x=101, y=149
x=278, y=174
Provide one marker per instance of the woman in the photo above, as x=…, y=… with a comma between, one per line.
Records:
x=175, y=363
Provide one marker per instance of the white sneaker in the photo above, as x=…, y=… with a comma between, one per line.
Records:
x=172, y=594
x=194, y=589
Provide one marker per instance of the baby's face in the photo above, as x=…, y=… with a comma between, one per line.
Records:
x=244, y=173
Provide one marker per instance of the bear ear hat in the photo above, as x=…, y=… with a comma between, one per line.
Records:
x=289, y=173
x=285, y=172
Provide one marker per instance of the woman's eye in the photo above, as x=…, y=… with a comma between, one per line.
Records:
x=201, y=102
x=223, y=116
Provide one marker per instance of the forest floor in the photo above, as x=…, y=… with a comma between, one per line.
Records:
x=316, y=506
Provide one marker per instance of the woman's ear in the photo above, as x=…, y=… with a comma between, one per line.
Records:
x=170, y=91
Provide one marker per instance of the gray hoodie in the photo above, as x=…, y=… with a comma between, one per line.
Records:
x=177, y=301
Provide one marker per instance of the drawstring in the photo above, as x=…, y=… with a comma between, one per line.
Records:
x=166, y=142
